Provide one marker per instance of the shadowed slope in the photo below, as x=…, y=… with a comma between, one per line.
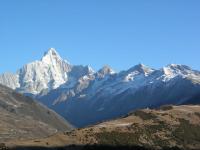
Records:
x=169, y=127
x=23, y=118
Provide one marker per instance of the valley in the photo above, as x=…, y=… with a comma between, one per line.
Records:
x=99, y=75
x=52, y=104
x=168, y=127
x=84, y=96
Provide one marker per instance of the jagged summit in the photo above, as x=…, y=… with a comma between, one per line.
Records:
x=176, y=69
x=105, y=70
x=51, y=51
x=67, y=88
x=47, y=74
x=90, y=70
x=141, y=68
x=52, y=56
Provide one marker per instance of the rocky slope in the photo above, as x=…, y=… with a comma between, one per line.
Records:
x=23, y=118
x=116, y=94
x=84, y=96
x=169, y=127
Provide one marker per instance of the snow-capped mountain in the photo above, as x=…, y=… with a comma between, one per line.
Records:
x=84, y=96
x=48, y=73
x=116, y=94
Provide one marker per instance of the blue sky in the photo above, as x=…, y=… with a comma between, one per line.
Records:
x=120, y=33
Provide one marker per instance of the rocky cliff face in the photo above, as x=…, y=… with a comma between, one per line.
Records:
x=84, y=96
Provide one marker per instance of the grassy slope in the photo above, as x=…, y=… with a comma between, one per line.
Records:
x=167, y=127
x=23, y=118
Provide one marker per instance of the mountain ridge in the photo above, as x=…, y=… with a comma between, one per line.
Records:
x=79, y=92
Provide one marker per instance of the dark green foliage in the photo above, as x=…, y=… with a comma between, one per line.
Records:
x=145, y=115
x=132, y=138
x=115, y=138
x=166, y=107
x=3, y=146
x=150, y=130
x=187, y=133
x=184, y=134
x=160, y=126
x=103, y=129
x=197, y=114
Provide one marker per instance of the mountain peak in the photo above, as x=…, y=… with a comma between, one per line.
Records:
x=52, y=56
x=178, y=67
x=48, y=73
x=90, y=70
x=106, y=70
x=51, y=52
x=141, y=68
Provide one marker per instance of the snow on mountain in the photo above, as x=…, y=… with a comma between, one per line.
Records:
x=51, y=72
x=114, y=94
x=78, y=92
x=48, y=73
x=106, y=70
x=175, y=70
x=136, y=72
x=10, y=80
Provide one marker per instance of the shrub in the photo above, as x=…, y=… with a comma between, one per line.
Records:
x=145, y=115
x=197, y=114
x=187, y=133
x=166, y=107
x=115, y=138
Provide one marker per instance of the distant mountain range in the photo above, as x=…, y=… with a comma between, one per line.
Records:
x=84, y=96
